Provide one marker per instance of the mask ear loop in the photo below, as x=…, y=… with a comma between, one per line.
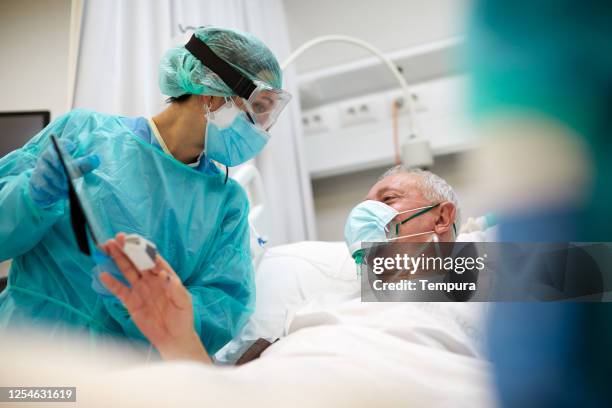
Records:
x=411, y=235
x=433, y=240
x=423, y=211
x=208, y=112
x=227, y=100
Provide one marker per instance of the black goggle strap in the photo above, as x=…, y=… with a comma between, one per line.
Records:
x=240, y=84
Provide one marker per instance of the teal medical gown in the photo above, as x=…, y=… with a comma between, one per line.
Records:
x=198, y=223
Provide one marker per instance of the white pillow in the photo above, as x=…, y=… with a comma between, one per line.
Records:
x=288, y=276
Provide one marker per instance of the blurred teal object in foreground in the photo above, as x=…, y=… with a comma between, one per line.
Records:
x=552, y=59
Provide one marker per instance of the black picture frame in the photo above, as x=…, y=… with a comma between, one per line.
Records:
x=34, y=116
x=44, y=113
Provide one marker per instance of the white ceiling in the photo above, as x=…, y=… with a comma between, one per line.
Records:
x=387, y=24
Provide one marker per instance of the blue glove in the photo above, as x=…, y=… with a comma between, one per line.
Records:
x=48, y=183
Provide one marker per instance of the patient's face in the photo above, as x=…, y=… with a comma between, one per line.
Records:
x=402, y=192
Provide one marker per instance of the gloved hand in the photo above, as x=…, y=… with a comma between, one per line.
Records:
x=48, y=183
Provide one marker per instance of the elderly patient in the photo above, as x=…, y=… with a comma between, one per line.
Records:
x=424, y=206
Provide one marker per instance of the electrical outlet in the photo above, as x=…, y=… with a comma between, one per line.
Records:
x=359, y=111
x=417, y=103
x=315, y=121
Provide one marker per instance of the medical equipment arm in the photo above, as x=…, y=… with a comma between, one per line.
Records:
x=413, y=130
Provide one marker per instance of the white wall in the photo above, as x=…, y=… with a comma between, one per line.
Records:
x=390, y=25
x=34, y=38
x=387, y=24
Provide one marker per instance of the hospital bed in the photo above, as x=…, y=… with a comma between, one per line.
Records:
x=393, y=359
x=397, y=357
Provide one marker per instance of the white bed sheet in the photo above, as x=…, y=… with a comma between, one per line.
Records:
x=326, y=365
x=338, y=352
x=320, y=275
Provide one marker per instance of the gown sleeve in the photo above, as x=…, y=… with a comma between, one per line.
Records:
x=22, y=222
x=223, y=292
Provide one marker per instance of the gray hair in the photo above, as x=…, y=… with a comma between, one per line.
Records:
x=435, y=188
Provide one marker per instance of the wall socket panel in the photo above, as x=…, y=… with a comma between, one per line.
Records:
x=316, y=121
x=417, y=103
x=360, y=111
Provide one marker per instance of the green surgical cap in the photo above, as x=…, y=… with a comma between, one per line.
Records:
x=181, y=73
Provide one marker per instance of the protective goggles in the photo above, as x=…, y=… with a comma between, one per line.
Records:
x=263, y=104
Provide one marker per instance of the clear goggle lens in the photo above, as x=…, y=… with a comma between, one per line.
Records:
x=266, y=104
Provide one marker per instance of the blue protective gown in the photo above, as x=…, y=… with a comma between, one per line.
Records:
x=198, y=223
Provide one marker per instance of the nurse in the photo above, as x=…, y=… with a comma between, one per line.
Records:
x=153, y=177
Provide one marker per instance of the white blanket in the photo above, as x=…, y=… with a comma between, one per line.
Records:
x=349, y=355
x=454, y=327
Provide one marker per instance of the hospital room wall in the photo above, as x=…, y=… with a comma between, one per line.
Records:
x=334, y=197
x=34, y=39
x=390, y=25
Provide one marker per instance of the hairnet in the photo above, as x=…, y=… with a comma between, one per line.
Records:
x=181, y=73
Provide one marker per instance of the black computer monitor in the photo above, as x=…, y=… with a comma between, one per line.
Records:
x=16, y=128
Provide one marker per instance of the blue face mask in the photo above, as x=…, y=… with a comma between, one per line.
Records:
x=367, y=222
x=231, y=139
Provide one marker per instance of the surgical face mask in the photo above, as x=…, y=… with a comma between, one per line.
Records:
x=369, y=222
x=231, y=139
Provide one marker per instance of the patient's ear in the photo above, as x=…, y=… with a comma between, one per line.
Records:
x=446, y=217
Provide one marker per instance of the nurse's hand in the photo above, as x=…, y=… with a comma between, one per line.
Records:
x=158, y=304
x=49, y=183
